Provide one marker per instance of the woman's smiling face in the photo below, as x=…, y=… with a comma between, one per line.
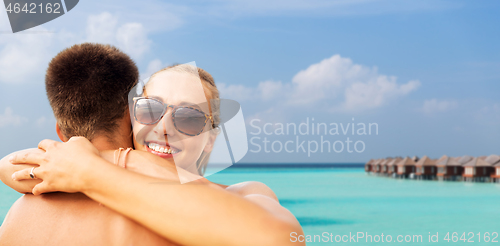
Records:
x=162, y=138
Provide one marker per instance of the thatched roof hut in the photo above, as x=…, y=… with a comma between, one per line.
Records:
x=426, y=166
x=392, y=165
x=495, y=161
x=383, y=165
x=477, y=167
x=376, y=165
x=406, y=166
x=368, y=165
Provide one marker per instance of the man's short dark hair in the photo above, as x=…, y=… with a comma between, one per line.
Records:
x=87, y=87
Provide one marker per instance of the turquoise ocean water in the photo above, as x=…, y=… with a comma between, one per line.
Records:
x=336, y=202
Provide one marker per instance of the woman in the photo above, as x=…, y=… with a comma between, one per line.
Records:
x=168, y=121
x=185, y=135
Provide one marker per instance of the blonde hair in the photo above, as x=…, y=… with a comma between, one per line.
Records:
x=212, y=96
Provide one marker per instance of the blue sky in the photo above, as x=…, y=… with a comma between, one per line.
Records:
x=427, y=72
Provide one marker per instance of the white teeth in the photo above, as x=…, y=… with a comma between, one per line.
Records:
x=161, y=149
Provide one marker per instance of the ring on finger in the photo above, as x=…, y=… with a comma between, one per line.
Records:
x=32, y=175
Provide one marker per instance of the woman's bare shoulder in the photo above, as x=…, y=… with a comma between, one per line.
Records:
x=252, y=188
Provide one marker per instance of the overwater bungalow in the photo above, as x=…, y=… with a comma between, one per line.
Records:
x=405, y=167
x=449, y=168
x=468, y=168
x=495, y=161
x=368, y=166
x=392, y=166
x=426, y=168
x=478, y=170
x=383, y=166
x=376, y=165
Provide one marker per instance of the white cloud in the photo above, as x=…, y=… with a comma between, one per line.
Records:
x=271, y=89
x=336, y=82
x=101, y=28
x=154, y=15
x=375, y=93
x=435, y=106
x=24, y=57
x=8, y=118
x=130, y=37
x=326, y=79
x=347, y=86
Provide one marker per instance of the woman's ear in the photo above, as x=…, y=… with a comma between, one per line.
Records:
x=60, y=134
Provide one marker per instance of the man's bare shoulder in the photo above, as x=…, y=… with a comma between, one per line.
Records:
x=252, y=188
x=71, y=219
x=59, y=202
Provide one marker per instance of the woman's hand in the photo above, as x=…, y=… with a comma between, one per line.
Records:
x=62, y=166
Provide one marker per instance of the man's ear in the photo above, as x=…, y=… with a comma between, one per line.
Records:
x=60, y=134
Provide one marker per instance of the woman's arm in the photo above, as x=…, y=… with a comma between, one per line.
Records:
x=197, y=213
x=7, y=169
x=143, y=163
x=193, y=213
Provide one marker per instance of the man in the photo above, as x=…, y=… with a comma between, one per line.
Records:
x=87, y=86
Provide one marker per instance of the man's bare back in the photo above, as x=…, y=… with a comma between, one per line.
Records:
x=71, y=219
